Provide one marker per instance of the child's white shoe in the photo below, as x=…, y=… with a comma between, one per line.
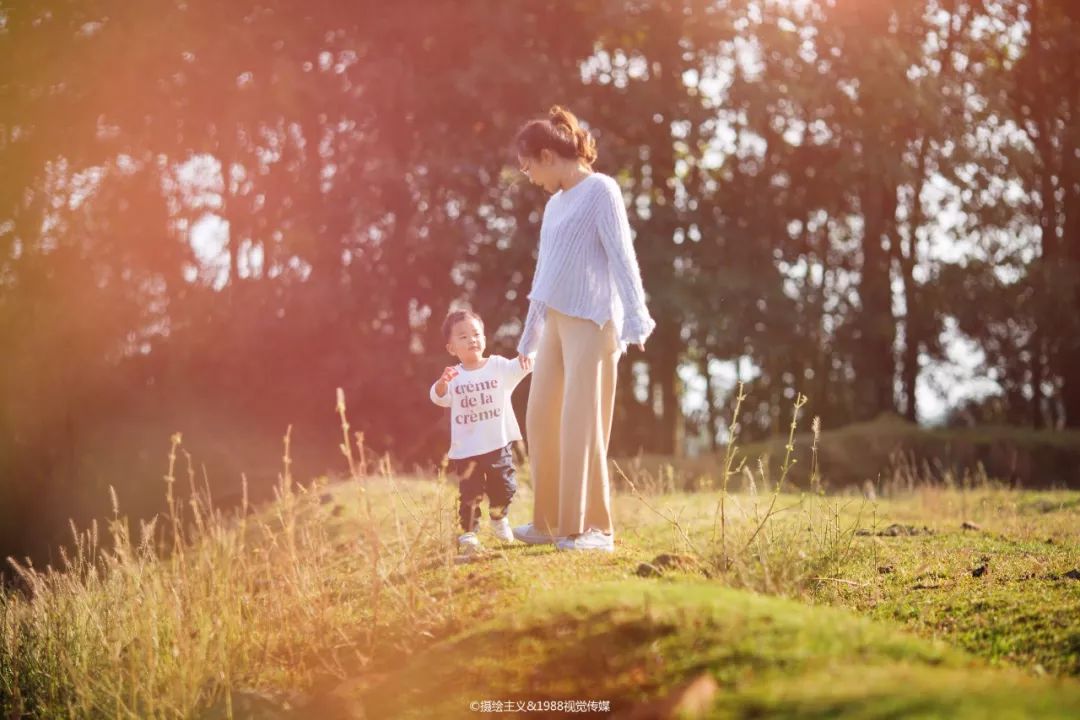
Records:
x=501, y=529
x=469, y=544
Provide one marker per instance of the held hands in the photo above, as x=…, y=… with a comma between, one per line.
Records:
x=448, y=374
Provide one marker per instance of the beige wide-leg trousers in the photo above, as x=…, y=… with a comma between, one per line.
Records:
x=568, y=422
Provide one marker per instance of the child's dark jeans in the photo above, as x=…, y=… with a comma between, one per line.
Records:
x=490, y=474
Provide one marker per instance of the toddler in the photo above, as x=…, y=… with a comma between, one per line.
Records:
x=483, y=427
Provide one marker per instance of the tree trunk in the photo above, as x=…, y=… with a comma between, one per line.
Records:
x=914, y=326
x=1037, y=377
x=877, y=330
x=1047, y=268
x=624, y=440
x=1069, y=350
x=711, y=416
x=666, y=366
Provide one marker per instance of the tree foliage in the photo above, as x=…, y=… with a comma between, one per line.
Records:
x=244, y=205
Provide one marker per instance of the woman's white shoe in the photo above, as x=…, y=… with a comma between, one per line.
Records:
x=531, y=535
x=588, y=540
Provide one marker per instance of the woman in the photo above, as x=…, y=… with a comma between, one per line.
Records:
x=586, y=304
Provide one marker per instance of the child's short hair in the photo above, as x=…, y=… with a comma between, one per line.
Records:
x=456, y=316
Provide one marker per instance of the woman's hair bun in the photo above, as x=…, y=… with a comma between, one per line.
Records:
x=561, y=133
x=584, y=143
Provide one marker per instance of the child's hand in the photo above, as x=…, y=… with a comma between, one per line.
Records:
x=448, y=374
x=526, y=362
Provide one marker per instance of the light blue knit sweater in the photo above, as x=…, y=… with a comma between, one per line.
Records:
x=587, y=267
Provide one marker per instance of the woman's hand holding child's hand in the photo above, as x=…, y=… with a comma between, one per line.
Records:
x=441, y=386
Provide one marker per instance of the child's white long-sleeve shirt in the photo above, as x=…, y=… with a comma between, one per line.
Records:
x=481, y=416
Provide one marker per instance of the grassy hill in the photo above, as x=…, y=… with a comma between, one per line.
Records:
x=344, y=600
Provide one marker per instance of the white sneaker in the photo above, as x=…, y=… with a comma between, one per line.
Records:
x=589, y=540
x=531, y=535
x=501, y=529
x=469, y=544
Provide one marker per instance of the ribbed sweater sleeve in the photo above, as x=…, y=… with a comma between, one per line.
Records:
x=534, y=326
x=614, y=228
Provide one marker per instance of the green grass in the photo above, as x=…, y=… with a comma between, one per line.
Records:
x=628, y=641
x=1023, y=609
x=344, y=600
